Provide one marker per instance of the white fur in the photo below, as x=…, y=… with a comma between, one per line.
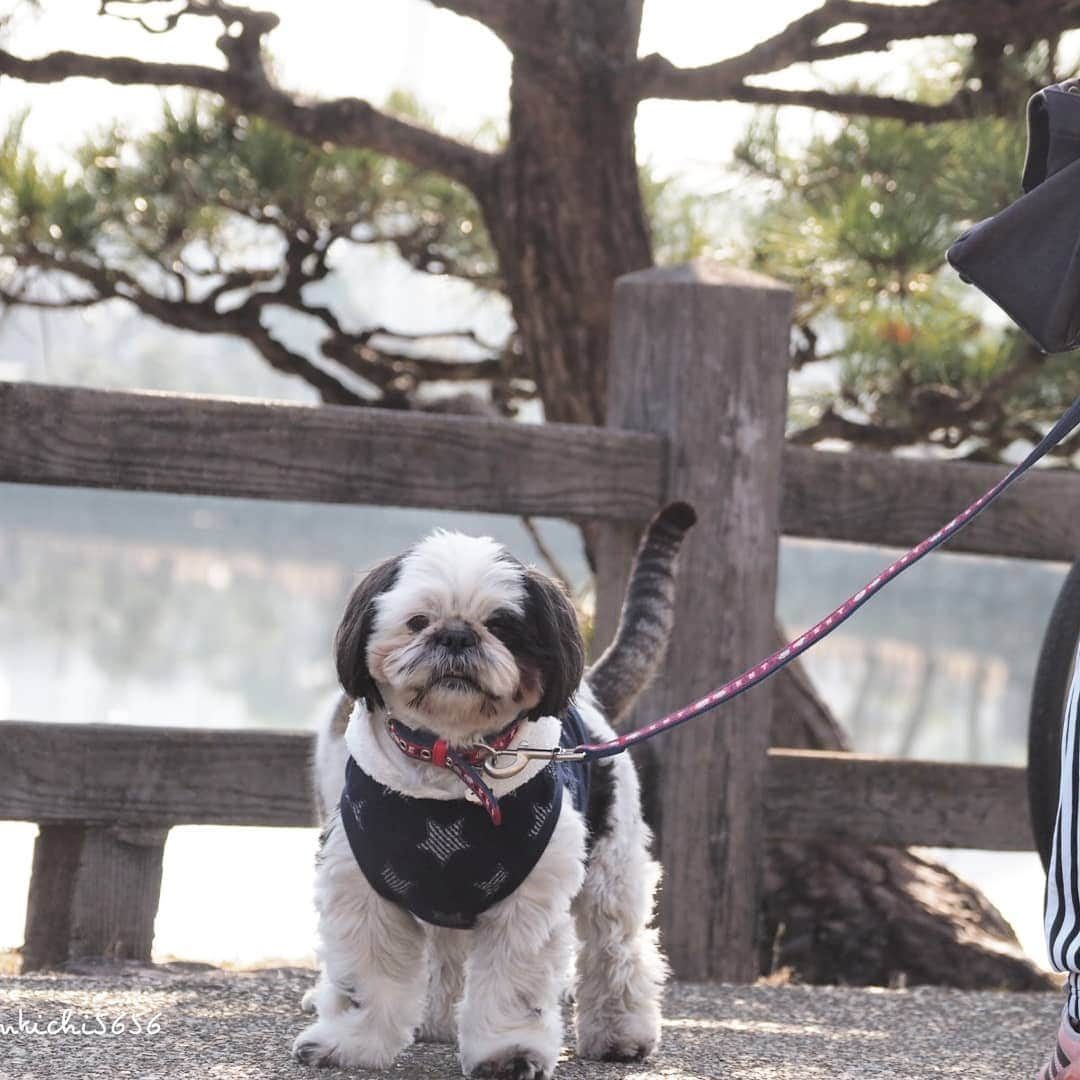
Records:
x=448, y=577
x=497, y=988
x=450, y=572
x=367, y=740
x=370, y=742
x=620, y=968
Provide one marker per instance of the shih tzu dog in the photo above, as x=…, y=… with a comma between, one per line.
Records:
x=457, y=911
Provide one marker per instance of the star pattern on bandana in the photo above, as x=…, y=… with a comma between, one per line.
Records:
x=540, y=812
x=450, y=919
x=444, y=841
x=395, y=882
x=356, y=806
x=493, y=883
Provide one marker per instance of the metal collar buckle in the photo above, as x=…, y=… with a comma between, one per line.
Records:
x=520, y=756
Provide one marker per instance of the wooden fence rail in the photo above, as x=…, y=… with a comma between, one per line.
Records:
x=139, y=775
x=696, y=411
x=330, y=453
x=98, y=860
x=209, y=446
x=869, y=498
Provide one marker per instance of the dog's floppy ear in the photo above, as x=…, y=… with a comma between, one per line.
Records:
x=350, y=643
x=557, y=648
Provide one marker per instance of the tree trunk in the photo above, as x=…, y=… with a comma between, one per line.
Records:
x=845, y=913
x=872, y=916
x=565, y=211
x=565, y=214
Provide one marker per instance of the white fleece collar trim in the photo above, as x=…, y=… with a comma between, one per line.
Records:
x=375, y=752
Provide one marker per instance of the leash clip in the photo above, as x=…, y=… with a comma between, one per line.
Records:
x=520, y=756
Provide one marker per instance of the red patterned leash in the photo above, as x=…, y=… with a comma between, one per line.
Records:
x=506, y=763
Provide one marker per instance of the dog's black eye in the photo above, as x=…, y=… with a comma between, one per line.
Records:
x=417, y=623
x=501, y=624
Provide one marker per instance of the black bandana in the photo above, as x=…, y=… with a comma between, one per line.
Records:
x=443, y=859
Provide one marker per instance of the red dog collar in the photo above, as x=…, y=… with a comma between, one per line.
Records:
x=423, y=746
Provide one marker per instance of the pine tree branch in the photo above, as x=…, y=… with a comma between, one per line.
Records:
x=344, y=121
x=393, y=372
x=198, y=316
x=10, y=298
x=882, y=24
x=415, y=247
x=524, y=26
x=238, y=279
x=938, y=415
x=382, y=366
x=831, y=425
x=248, y=19
x=121, y=70
x=855, y=104
x=502, y=17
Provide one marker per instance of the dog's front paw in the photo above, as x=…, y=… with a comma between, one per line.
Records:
x=614, y=1045
x=624, y=1050
x=347, y=1044
x=312, y=1048
x=431, y=1031
x=607, y=1036
x=326, y=999
x=514, y=1065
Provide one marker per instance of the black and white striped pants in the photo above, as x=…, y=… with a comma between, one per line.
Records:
x=1063, y=877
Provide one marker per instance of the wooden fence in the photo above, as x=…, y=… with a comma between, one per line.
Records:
x=696, y=410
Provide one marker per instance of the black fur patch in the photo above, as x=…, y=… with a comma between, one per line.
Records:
x=628, y=664
x=599, y=813
x=355, y=629
x=554, y=642
x=647, y=762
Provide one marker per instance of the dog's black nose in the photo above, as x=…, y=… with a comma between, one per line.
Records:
x=456, y=636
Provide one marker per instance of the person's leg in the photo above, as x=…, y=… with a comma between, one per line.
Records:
x=1063, y=894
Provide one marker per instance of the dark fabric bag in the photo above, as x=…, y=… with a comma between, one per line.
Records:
x=1027, y=257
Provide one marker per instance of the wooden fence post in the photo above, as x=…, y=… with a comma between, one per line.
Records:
x=94, y=892
x=700, y=355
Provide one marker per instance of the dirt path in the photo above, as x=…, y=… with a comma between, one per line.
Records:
x=219, y=1025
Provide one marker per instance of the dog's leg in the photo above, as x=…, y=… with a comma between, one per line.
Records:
x=371, y=993
x=447, y=951
x=324, y=998
x=510, y=1022
x=620, y=968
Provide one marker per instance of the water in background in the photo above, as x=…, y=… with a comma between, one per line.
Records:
x=175, y=610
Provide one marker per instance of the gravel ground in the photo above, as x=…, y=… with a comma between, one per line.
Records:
x=211, y=1024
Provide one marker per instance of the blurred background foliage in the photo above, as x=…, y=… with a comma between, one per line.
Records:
x=858, y=221
x=216, y=219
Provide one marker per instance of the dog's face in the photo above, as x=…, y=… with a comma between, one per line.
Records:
x=457, y=637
